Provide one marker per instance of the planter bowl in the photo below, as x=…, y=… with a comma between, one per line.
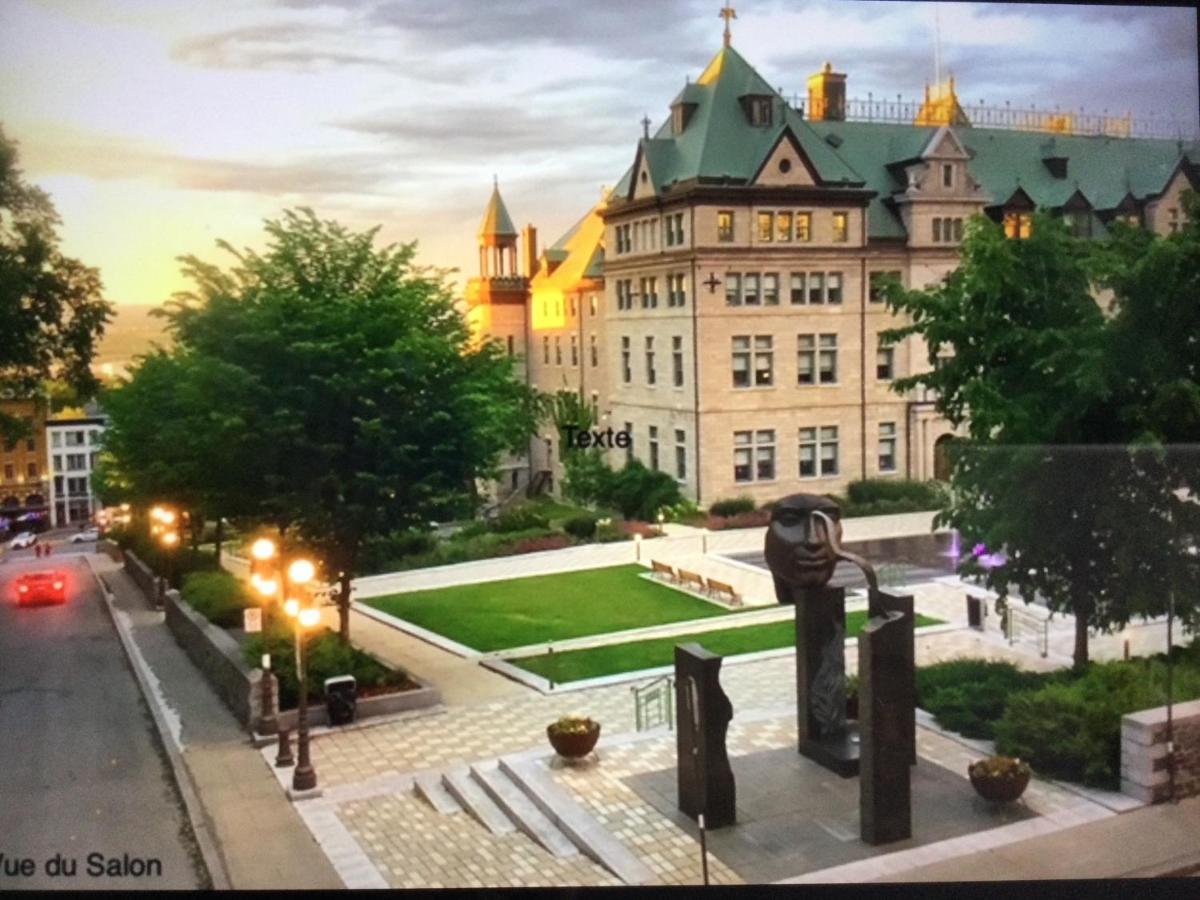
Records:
x=573, y=746
x=1000, y=789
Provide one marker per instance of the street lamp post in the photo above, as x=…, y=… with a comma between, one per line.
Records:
x=164, y=529
x=300, y=573
x=262, y=576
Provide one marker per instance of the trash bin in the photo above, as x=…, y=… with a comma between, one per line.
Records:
x=341, y=698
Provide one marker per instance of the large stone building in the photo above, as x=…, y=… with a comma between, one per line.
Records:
x=721, y=301
x=23, y=476
x=73, y=441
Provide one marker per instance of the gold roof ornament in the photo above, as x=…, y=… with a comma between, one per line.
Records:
x=727, y=13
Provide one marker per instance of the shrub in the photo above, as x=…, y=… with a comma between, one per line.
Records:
x=520, y=519
x=727, y=508
x=379, y=552
x=610, y=532
x=753, y=519
x=639, y=493
x=217, y=596
x=588, y=477
x=872, y=490
x=970, y=695
x=582, y=527
x=536, y=544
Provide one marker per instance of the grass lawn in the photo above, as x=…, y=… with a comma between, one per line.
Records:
x=558, y=512
x=496, y=615
x=574, y=665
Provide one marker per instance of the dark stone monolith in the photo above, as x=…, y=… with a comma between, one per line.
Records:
x=704, y=712
x=888, y=738
x=823, y=734
x=879, y=603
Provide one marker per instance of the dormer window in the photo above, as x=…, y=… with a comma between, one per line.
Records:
x=758, y=109
x=681, y=114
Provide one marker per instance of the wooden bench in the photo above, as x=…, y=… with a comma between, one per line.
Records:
x=686, y=578
x=720, y=589
x=658, y=568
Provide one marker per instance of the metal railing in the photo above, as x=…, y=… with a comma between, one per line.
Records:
x=1050, y=121
x=654, y=703
x=1020, y=624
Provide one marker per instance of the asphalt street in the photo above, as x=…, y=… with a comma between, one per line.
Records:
x=83, y=778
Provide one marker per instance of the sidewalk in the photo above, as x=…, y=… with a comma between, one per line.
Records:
x=261, y=841
x=1151, y=841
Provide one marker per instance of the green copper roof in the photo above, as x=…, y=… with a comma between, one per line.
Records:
x=496, y=222
x=719, y=142
x=595, y=266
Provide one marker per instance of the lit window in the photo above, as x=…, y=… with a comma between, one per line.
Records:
x=841, y=231
x=765, y=220
x=764, y=361
x=783, y=226
x=725, y=225
x=804, y=226
x=1017, y=225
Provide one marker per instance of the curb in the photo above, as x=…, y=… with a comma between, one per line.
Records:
x=214, y=863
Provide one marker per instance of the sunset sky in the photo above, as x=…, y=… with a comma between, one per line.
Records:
x=159, y=126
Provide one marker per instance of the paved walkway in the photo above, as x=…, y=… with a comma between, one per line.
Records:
x=261, y=841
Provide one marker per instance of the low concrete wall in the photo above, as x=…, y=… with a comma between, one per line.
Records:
x=366, y=707
x=109, y=549
x=1144, y=773
x=218, y=656
x=142, y=576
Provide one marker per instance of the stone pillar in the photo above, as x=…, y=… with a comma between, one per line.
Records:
x=822, y=733
x=885, y=694
x=703, y=713
x=880, y=603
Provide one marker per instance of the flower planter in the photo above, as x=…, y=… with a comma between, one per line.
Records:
x=999, y=779
x=573, y=744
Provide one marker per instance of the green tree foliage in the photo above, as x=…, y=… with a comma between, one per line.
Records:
x=1035, y=375
x=350, y=388
x=51, y=310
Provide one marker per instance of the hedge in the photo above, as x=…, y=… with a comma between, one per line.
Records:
x=217, y=596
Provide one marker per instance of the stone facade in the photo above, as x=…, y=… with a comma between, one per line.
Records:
x=1144, y=773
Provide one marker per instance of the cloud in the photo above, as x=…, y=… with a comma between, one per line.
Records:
x=293, y=46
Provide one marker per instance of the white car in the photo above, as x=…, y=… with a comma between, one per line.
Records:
x=85, y=536
x=23, y=540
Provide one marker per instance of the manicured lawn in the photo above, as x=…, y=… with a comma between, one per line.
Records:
x=499, y=614
x=613, y=659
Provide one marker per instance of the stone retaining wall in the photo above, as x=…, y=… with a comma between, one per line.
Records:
x=142, y=576
x=1144, y=773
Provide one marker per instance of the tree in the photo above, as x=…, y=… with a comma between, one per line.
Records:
x=51, y=310
x=381, y=410
x=1027, y=380
x=588, y=477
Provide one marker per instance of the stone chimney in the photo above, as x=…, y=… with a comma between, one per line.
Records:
x=529, y=250
x=827, y=95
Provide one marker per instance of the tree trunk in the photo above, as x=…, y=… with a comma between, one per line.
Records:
x=220, y=537
x=197, y=530
x=1081, y=639
x=344, y=607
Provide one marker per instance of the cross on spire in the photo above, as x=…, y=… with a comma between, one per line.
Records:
x=646, y=127
x=727, y=13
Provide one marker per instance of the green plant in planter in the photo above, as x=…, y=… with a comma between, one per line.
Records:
x=573, y=725
x=573, y=737
x=1000, y=778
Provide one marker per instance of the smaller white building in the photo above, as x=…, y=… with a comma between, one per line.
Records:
x=73, y=446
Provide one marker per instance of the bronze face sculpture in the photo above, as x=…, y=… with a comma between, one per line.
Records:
x=799, y=550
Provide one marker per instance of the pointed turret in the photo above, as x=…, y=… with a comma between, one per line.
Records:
x=497, y=225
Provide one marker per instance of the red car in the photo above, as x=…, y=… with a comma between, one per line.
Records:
x=41, y=587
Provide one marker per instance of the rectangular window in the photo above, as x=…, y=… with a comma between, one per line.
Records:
x=58, y=462
x=947, y=175
x=573, y=313
x=733, y=289
x=804, y=226
x=875, y=291
x=806, y=358
x=679, y=229
x=937, y=230
x=765, y=227
x=841, y=229
x=741, y=361
x=958, y=229
x=1173, y=220
x=827, y=359
x=808, y=453
x=833, y=290
x=626, y=360
x=725, y=226
x=829, y=450
x=654, y=293
x=750, y=289
x=680, y=455
x=558, y=350
x=668, y=233
x=885, y=359
x=783, y=226
x=816, y=287
x=31, y=443
x=797, y=287
x=650, y=377
x=770, y=286
x=591, y=304
x=764, y=361
x=76, y=462
x=574, y=350
x=764, y=455
x=1017, y=225
x=743, y=456
x=56, y=439
x=654, y=447
x=887, y=446
x=677, y=361
x=31, y=470
x=629, y=449
x=594, y=351
x=753, y=456
x=644, y=286
x=546, y=350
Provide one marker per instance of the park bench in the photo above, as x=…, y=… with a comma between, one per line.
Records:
x=720, y=589
x=663, y=569
x=691, y=578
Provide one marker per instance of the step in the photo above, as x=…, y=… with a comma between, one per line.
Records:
x=429, y=785
x=576, y=822
x=474, y=799
x=523, y=811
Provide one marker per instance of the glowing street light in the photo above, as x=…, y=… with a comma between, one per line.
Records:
x=263, y=549
x=301, y=571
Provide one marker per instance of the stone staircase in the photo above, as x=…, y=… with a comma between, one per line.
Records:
x=514, y=794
